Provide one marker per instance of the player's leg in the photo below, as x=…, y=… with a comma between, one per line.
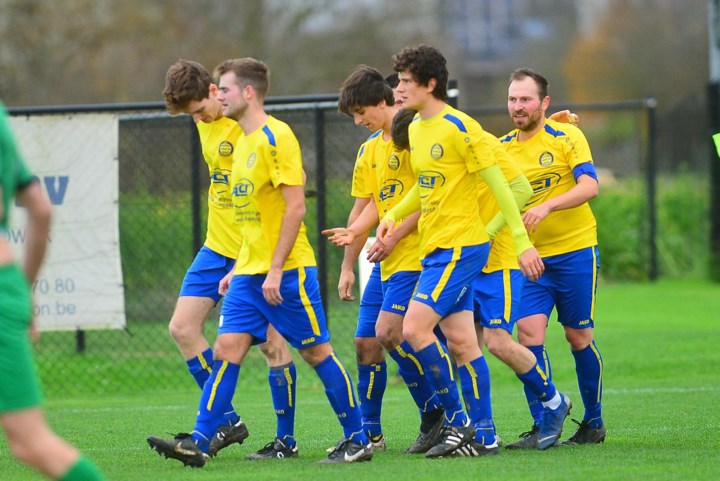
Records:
x=32, y=442
x=372, y=368
x=536, y=305
x=241, y=324
x=444, y=291
x=282, y=377
x=474, y=377
x=397, y=292
x=300, y=319
x=186, y=329
x=576, y=313
x=29, y=437
x=497, y=298
x=197, y=298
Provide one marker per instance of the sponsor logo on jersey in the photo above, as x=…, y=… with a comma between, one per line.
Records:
x=225, y=149
x=429, y=179
x=220, y=176
x=390, y=189
x=544, y=183
x=242, y=192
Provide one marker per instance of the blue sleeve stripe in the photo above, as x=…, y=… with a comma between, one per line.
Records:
x=456, y=121
x=553, y=132
x=270, y=135
x=508, y=138
x=362, y=150
x=586, y=168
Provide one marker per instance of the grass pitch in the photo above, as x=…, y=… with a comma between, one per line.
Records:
x=662, y=392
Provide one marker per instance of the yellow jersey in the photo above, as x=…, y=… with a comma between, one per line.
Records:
x=548, y=160
x=218, y=140
x=447, y=152
x=502, y=252
x=263, y=161
x=388, y=176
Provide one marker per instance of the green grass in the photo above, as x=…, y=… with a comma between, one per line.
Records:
x=662, y=391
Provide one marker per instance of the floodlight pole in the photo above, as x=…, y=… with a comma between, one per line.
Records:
x=714, y=112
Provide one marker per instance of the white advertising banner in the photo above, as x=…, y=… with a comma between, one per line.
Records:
x=75, y=157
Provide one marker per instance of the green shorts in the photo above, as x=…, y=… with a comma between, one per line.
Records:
x=19, y=382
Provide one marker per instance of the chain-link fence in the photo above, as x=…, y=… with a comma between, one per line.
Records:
x=162, y=206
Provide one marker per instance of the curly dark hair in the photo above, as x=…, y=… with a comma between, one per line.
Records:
x=424, y=63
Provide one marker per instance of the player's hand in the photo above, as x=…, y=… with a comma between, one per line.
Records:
x=345, y=285
x=531, y=264
x=385, y=230
x=224, y=283
x=532, y=217
x=271, y=287
x=566, y=117
x=340, y=236
x=380, y=251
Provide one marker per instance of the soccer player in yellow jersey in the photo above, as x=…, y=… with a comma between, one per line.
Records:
x=382, y=176
x=556, y=159
x=190, y=89
x=275, y=275
x=497, y=293
x=450, y=156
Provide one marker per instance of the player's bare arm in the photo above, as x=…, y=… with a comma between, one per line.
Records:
x=294, y=196
x=380, y=250
x=343, y=236
x=585, y=190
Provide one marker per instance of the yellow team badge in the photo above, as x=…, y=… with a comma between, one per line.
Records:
x=546, y=159
x=394, y=162
x=225, y=149
x=436, y=151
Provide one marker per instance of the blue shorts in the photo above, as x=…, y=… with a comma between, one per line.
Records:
x=497, y=298
x=568, y=283
x=370, y=304
x=205, y=273
x=398, y=290
x=445, y=282
x=300, y=319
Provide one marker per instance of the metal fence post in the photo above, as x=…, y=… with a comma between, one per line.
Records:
x=651, y=107
x=321, y=204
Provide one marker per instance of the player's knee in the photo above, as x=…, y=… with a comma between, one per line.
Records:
x=25, y=449
x=499, y=348
x=276, y=353
x=368, y=350
x=579, y=339
x=411, y=334
x=183, y=331
x=388, y=337
x=316, y=354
